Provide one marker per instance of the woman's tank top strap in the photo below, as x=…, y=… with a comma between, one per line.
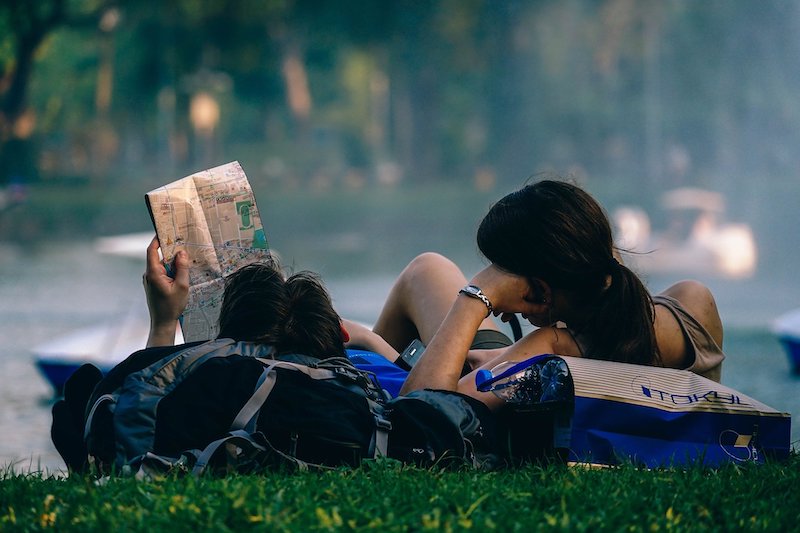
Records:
x=580, y=342
x=707, y=356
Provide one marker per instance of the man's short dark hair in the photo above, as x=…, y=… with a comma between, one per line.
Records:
x=254, y=305
x=294, y=315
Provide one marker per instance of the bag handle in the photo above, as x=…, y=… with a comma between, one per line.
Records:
x=105, y=398
x=247, y=415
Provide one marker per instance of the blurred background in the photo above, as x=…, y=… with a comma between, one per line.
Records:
x=374, y=130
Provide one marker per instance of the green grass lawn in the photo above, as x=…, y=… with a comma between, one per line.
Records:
x=386, y=496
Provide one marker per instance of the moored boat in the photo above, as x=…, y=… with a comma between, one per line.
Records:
x=104, y=344
x=698, y=240
x=99, y=345
x=787, y=328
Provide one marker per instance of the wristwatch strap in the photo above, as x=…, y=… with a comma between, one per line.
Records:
x=475, y=292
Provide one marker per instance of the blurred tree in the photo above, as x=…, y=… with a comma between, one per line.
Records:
x=649, y=93
x=512, y=93
x=24, y=26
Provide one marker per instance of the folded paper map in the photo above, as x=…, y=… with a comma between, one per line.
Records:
x=213, y=216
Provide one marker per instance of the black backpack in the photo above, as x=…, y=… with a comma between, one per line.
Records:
x=443, y=428
x=232, y=406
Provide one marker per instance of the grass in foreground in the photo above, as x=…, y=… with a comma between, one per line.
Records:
x=386, y=496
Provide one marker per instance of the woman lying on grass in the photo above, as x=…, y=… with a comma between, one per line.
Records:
x=552, y=260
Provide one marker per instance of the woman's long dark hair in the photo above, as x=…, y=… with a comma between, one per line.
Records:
x=556, y=232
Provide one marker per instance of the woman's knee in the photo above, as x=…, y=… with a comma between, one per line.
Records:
x=430, y=266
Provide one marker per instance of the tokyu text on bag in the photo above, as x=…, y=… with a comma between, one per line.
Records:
x=660, y=416
x=230, y=405
x=602, y=412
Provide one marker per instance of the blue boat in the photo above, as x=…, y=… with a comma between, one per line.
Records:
x=787, y=329
x=106, y=344
x=103, y=345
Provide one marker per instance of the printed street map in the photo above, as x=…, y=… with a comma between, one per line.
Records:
x=213, y=216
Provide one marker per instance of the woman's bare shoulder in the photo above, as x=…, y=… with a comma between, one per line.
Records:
x=698, y=301
x=550, y=339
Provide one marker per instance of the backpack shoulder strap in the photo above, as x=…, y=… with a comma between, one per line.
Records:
x=137, y=400
x=248, y=415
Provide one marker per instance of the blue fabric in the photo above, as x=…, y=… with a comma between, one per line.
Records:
x=605, y=431
x=390, y=376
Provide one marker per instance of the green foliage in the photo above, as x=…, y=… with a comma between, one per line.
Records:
x=73, y=63
x=389, y=497
x=445, y=89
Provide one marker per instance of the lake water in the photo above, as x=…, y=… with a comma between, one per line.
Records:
x=52, y=289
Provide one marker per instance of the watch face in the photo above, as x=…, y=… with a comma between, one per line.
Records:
x=472, y=289
x=475, y=292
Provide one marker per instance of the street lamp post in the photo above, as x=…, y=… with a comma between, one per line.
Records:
x=204, y=114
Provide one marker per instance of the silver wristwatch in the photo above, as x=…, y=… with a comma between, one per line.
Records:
x=475, y=292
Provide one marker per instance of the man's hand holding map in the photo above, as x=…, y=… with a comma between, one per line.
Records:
x=213, y=216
